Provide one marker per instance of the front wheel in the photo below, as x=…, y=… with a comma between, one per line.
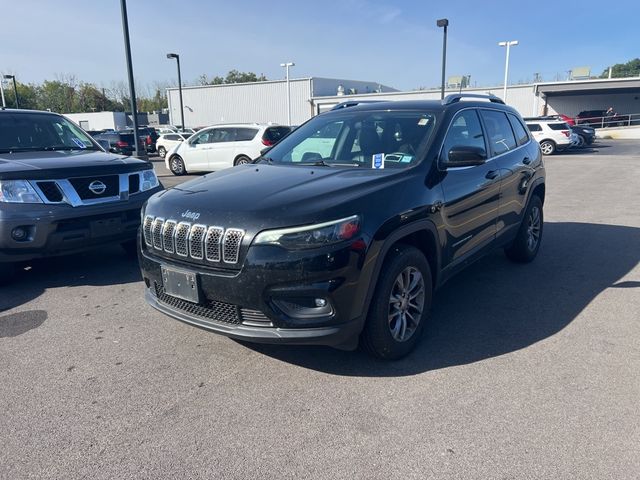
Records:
x=548, y=147
x=400, y=304
x=176, y=165
x=527, y=242
x=162, y=152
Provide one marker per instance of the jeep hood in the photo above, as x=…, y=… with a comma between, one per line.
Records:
x=255, y=197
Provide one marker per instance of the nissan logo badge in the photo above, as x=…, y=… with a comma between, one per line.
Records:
x=97, y=187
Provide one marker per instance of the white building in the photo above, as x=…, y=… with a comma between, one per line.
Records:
x=259, y=101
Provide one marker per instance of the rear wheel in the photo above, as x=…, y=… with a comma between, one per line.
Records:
x=162, y=152
x=176, y=165
x=548, y=147
x=242, y=160
x=400, y=304
x=527, y=242
x=581, y=141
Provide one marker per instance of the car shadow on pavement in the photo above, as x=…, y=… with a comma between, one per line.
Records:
x=496, y=307
x=105, y=266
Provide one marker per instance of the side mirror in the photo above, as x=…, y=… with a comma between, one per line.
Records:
x=465, y=156
x=104, y=144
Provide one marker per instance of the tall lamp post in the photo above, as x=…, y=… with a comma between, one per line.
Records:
x=15, y=88
x=509, y=44
x=443, y=22
x=132, y=88
x=4, y=103
x=286, y=66
x=177, y=57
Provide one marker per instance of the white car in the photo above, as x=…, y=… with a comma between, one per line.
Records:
x=552, y=135
x=167, y=141
x=222, y=146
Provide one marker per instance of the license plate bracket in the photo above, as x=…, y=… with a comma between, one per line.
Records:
x=181, y=284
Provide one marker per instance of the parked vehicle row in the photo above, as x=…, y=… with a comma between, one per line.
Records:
x=555, y=135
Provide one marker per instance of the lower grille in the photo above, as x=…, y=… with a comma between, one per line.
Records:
x=212, y=311
x=254, y=318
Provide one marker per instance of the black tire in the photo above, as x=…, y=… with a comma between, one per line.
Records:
x=386, y=316
x=162, y=152
x=7, y=272
x=130, y=248
x=548, y=147
x=527, y=242
x=176, y=165
x=582, y=141
x=242, y=160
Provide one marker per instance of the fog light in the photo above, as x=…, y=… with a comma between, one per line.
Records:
x=304, y=307
x=321, y=302
x=19, y=234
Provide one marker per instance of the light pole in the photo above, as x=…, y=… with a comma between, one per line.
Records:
x=509, y=44
x=4, y=103
x=177, y=57
x=132, y=88
x=286, y=66
x=15, y=89
x=443, y=22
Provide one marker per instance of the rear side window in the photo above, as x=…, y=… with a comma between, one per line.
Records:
x=172, y=137
x=522, y=136
x=534, y=127
x=499, y=131
x=245, y=134
x=275, y=134
x=558, y=126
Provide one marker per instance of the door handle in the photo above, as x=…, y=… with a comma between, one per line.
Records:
x=492, y=174
x=526, y=160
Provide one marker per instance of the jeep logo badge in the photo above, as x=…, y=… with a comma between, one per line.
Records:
x=191, y=215
x=97, y=187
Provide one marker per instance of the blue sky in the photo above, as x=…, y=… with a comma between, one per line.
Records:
x=392, y=42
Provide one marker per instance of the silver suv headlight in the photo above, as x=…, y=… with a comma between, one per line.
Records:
x=18, y=191
x=311, y=236
x=148, y=179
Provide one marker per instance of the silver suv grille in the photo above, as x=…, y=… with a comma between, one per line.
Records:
x=196, y=241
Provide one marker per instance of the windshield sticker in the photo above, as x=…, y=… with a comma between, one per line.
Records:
x=78, y=142
x=377, y=161
x=423, y=121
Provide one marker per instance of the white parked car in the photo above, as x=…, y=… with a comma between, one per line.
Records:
x=552, y=135
x=222, y=146
x=167, y=141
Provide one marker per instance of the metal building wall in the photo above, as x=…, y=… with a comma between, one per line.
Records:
x=241, y=103
x=520, y=97
x=322, y=87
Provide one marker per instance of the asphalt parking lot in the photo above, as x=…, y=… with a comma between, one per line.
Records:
x=525, y=371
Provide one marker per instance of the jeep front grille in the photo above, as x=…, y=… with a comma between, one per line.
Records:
x=199, y=242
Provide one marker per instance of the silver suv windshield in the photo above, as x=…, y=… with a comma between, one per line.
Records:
x=23, y=132
x=368, y=139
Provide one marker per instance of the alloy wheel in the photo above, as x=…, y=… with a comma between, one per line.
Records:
x=176, y=165
x=406, y=304
x=533, y=228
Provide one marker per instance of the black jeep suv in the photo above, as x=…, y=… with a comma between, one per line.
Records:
x=60, y=192
x=345, y=228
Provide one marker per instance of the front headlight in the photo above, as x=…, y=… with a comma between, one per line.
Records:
x=148, y=179
x=311, y=236
x=18, y=191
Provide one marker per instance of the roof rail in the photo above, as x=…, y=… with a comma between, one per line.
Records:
x=449, y=99
x=353, y=103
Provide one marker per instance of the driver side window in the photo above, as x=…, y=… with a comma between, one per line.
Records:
x=465, y=131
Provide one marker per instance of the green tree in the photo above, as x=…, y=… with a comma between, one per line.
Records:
x=233, y=76
x=27, y=95
x=621, y=70
x=56, y=96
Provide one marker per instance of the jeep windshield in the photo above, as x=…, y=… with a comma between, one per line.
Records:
x=29, y=132
x=351, y=138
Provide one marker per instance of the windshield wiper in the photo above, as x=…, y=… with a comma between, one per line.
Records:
x=322, y=163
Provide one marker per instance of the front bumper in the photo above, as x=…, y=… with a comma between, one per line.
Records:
x=63, y=229
x=248, y=298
